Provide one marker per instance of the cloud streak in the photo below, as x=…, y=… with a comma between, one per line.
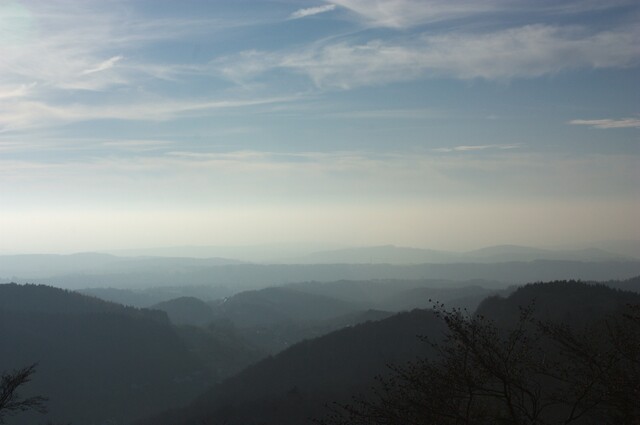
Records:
x=402, y=14
x=303, y=13
x=522, y=52
x=608, y=123
x=16, y=91
x=473, y=148
x=109, y=63
x=407, y=13
x=29, y=114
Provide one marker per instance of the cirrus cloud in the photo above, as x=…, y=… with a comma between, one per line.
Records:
x=521, y=52
x=303, y=13
x=609, y=123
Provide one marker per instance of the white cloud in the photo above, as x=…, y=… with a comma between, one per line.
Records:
x=405, y=13
x=400, y=14
x=303, y=13
x=609, y=123
x=63, y=45
x=527, y=51
x=16, y=91
x=109, y=63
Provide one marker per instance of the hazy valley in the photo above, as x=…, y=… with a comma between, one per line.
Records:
x=227, y=341
x=319, y=212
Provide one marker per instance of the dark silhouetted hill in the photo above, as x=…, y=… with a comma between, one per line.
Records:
x=97, y=361
x=572, y=302
x=632, y=284
x=296, y=384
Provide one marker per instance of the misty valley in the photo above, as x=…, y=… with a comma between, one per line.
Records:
x=515, y=336
x=319, y=212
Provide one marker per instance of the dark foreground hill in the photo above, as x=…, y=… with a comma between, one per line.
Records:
x=298, y=384
x=98, y=362
x=569, y=302
x=295, y=385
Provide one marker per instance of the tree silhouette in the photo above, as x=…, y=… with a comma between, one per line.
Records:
x=533, y=372
x=10, y=400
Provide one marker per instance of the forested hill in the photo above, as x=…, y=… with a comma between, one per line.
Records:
x=566, y=301
x=298, y=384
x=97, y=361
x=50, y=300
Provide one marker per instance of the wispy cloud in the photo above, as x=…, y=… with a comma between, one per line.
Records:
x=109, y=63
x=609, y=123
x=401, y=14
x=522, y=52
x=63, y=45
x=32, y=114
x=67, y=55
x=471, y=148
x=303, y=13
x=392, y=114
x=16, y=91
x=405, y=13
x=137, y=145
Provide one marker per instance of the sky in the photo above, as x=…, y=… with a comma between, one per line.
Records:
x=427, y=123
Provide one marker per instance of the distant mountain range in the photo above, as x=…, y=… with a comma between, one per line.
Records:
x=390, y=254
x=226, y=280
x=227, y=276
x=34, y=266
x=265, y=253
x=313, y=253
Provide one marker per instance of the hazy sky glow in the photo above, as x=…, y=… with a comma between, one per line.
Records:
x=431, y=123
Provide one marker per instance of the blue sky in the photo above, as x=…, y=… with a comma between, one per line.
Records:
x=443, y=124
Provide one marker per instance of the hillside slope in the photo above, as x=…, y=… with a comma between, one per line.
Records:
x=298, y=384
x=97, y=361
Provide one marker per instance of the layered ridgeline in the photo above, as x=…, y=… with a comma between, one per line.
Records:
x=217, y=277
x=301, y=383
x=273, y=319
x=226, y=280
x=97, y=362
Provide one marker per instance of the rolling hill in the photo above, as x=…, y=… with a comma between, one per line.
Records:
x=97, y=361
x=299, y=384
